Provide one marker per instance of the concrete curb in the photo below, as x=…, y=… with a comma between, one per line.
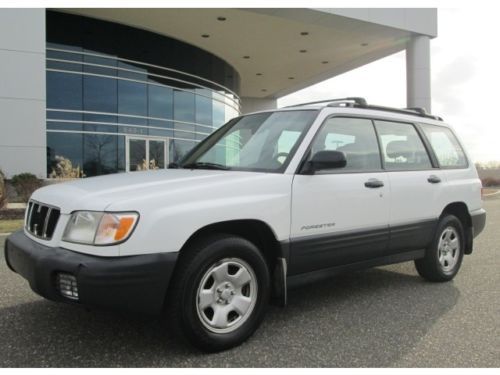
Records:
x=16, y=205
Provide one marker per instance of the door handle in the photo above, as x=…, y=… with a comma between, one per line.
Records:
x=373, y=183
x=433, y=179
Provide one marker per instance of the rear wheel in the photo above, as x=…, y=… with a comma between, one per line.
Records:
x=219, y=293
x=444, y=257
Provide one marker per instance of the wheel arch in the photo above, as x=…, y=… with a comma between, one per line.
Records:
x=256, y=231
x=263, y=237
x=461, y=211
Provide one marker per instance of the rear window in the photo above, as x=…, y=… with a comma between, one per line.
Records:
x=446, y=147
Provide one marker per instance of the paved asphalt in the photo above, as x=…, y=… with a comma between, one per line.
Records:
x=382, y=317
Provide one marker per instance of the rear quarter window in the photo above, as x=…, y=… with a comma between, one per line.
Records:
x=445, y=146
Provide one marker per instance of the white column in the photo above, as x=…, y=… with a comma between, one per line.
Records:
x=22, y=91
x=418, y=72
x=249, y=104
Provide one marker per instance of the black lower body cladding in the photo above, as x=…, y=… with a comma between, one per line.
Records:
x=134, y=283
x=478, y=219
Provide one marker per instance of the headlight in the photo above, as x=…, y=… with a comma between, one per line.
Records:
x=100, y=228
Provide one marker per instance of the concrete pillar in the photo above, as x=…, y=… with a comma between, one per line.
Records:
x=22, y=92
x=249, y=104
x=418, y=72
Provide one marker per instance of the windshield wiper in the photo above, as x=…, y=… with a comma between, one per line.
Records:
x=205, y=165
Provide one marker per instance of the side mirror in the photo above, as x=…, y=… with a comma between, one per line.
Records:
x=324, y=160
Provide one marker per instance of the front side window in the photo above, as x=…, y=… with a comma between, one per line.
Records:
x=260, y=142
x=446, y=147
x=355, y=137
x=402, y=147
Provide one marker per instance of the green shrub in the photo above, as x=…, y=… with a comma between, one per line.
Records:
x=25, y=184
x=3, y=190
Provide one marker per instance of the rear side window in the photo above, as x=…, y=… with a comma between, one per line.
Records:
x=355, y=137
x=402, y=147
x=446, y=147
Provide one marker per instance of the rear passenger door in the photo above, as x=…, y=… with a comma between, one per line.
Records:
x=341, y=216
x=417, y=188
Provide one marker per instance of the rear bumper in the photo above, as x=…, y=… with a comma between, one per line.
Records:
x=478, y=219
x=134, y=283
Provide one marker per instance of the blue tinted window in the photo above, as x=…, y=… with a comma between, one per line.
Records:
x=167, y=132
x=132, y=71
x=99, y=65
x=184, y=111
x=98, y=117
x=219, y=113
x=74, y=32
x=182, y=115
x=64, y=90
x=178, y=149
x=100, y=154
x=183, y=106
x=99, y=123
x=64, y=145
x=160, y=102
x=203, y=107
x=64, y=55
x=132, y=100
x=53, y=125
x=203, y=114
x=99, y=94
x=59, y=115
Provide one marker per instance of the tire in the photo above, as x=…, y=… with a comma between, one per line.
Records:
x=219, y=293
x=444, y=257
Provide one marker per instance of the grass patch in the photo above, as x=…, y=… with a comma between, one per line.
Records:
x=7, y=226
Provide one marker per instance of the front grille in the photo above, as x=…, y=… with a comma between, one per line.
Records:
x=42, y=219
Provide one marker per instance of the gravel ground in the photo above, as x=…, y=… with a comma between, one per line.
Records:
x=383, y=317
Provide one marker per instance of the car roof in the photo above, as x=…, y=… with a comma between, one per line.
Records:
x=357, y=106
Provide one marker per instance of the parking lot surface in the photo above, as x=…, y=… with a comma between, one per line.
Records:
x=382, y=317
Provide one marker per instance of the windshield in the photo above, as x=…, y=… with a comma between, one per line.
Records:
x=260, y=142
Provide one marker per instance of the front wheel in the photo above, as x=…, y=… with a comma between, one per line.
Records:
x=443, y=258
x=219, y=293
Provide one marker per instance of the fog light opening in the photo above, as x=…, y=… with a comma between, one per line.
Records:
x=67, y=285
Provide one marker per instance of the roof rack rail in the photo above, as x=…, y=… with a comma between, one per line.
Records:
x=360, y=102
x=421, y=112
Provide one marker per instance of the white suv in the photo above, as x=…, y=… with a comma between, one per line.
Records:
x=268, y=201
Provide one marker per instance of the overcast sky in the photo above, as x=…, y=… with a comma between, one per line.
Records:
x=465, y=67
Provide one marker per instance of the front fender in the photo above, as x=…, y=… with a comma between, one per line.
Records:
x=166, y=226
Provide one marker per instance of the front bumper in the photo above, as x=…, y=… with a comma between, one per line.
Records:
x=134, y=283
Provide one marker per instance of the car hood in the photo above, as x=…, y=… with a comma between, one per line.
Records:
x=108, y=192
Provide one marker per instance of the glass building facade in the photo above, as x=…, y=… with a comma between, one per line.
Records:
x=124, y=99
